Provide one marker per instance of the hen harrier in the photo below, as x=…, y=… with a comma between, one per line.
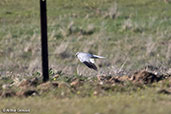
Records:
x=88, y=59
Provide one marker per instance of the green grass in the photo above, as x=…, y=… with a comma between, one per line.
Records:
x=119, y=103
x=139, y=32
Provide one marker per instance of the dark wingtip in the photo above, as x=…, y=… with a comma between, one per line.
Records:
x=91, y=65
x=95, y=68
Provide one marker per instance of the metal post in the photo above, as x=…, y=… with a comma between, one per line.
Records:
x=44, y=44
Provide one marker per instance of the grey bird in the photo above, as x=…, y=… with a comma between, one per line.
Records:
x=88, y=59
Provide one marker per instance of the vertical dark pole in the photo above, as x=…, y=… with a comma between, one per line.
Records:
x=44, y=44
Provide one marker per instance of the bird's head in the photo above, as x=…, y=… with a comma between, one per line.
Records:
x=77, y=54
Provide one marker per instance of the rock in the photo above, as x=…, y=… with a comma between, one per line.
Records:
x=75, y=82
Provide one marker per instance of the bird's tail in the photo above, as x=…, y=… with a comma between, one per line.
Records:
x=98, y=57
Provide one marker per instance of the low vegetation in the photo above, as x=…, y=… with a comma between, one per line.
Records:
x=141, y=92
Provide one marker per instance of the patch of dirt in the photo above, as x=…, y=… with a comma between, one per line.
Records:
x=33, y=87
x=141, y=77
x=145, y=77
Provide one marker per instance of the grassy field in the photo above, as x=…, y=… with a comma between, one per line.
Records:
x=117, y=103
x=135, y=33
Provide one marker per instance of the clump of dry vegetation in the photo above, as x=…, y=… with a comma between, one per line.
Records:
x=142, y=86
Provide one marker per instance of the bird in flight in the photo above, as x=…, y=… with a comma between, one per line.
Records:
x=88, y=59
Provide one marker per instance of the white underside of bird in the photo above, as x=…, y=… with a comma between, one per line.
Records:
x=88, y=59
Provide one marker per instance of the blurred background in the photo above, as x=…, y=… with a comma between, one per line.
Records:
x=131, y=34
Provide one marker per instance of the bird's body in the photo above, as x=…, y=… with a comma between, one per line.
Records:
x=88, y=59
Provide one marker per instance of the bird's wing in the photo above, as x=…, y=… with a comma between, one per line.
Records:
x=97, y=57
x=92, y=60
x=90, y=65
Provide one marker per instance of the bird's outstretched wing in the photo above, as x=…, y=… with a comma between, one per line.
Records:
x=97, y=57
x=90, y=65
